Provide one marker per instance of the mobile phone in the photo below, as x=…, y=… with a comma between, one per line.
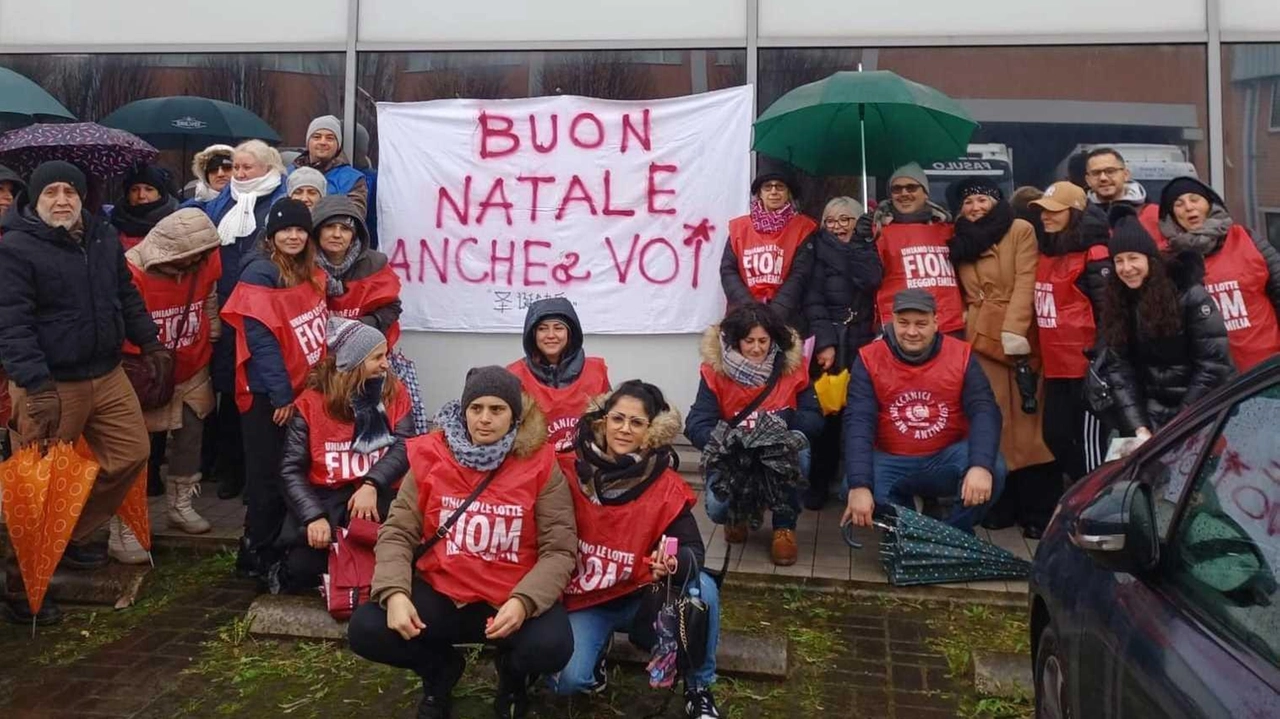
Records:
x=668, y=547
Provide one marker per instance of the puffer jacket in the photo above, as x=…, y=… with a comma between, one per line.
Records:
x=183, y=234
x=841, y=295
x=369, y=262
x=1156, y=377
x=1092, y=229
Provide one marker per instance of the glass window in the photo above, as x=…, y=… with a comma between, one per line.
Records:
x=1037, y=106
x=1271, y=222
x=1251, y=124
x=1274, y=125
x=1167, y=472
x=1225, y=548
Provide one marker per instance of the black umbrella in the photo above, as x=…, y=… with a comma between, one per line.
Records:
x=921, y=550
x=755, y=469
x=173, y=123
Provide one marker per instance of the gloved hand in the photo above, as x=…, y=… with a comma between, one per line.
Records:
x=1015, y=345
x=43, y=413
x=864, y=229
x=160, y=359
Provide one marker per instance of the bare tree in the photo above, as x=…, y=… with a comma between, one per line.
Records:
x=241, y=79
x=89, y=86
x=609, y=75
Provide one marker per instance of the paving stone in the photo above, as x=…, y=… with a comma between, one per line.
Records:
x=737, y=654
x=908, y=677
x=1002, y=674
x=289, y=616
x=115, y=585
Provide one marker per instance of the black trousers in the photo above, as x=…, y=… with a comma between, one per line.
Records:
x=1029, y=497
x=1076, y=437
x=825, y=467
x=543, y=644
x=222, y=451
x=263, y=440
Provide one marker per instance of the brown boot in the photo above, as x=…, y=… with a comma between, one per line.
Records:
x=735, y=533
x=784, y=550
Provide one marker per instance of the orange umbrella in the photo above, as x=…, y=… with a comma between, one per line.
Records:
x=43, y=498
x=134, y=511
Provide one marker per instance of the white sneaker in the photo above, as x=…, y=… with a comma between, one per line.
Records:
x=123, y=545
x=179, y=491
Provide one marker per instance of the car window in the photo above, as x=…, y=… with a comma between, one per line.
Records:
x=1168, y=471
x=1225, y=548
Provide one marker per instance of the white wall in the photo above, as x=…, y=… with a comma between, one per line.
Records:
x=1249, y=15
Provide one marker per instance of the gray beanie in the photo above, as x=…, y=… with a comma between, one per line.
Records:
x=326, y=122
x=350, y=342
x=911, y=171
x=306, y=177
x=493, y=381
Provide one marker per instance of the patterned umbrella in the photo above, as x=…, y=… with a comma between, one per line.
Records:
x=99, y=151
x=921, y=550
x=134, y=511
x=756, y=469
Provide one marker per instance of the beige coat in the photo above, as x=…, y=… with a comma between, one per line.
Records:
x=184, y=234
x=999, y=295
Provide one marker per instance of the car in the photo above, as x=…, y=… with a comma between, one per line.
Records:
x=1153, y=592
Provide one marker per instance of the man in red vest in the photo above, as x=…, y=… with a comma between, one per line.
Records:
x=921, y=420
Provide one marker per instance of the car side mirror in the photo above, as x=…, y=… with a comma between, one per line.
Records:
x=1118, y=530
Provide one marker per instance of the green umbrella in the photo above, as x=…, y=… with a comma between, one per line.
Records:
x=921, y=550
x=862, y=122
x=23, y=102
x=173, y=122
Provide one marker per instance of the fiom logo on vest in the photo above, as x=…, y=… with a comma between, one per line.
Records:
x=928, y=266
x=343, y=465
x=309, y=329
x=488, y=531
x=918, y=415
x=168, y=320
x=1046, y=307
x=763, y=265
x=600, y=567
x=1230, y=301
x=561, y=432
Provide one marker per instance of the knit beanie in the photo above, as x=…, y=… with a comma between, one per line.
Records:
x=351, y=341
x=1180, y=186
x=56, y=171
x=911, y=171
x=306, y=177
x=1127, y=233
x=493, y=381
x=288, y=212
x=326, y=122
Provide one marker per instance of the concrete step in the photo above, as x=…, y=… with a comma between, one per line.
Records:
x=115, y=585
x=1003, y=674
x=296, y=617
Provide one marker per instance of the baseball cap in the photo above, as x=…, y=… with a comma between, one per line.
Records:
x=1060, y=196
x=914, y=299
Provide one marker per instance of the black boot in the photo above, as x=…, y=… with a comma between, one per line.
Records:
x=438, y=683
x=248, y=562
x=85, y=557
x=14, y=608
x=512, y=700
x=230, y=483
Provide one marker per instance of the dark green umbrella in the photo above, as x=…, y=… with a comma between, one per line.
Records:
x=23, y=102
x=862, y=122
x=921, y=550
x=179, y=121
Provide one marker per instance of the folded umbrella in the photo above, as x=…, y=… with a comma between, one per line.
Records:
x=755, y=469
x=921, y=550
x=134, y=511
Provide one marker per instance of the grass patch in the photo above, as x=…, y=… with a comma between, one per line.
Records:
x=961, y=629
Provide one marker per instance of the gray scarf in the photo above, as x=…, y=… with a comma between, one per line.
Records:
x=484, y=458
x=334, y=286
x=1204, y=241
x=745, y=372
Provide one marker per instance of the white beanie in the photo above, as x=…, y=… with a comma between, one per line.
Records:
x=326, y=122
x=306, y=177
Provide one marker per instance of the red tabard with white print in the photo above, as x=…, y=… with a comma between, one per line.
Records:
x=333, y=462
x=564, y=406
x=166, y=298
x=921, y=411
x=494, y=543
x=614, y=541
x=733, y=397
x=916, y=256
x=297, y=316
x=364, y=296
x=1236, y=278
x=764, y=261
x=1064, y=314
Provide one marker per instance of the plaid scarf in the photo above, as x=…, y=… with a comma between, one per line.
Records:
x=768, y=223
x=482, y=457
x=745, y=372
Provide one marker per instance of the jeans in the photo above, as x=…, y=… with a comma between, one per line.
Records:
x=898, y=478
x=593, y=626
x=718, y=510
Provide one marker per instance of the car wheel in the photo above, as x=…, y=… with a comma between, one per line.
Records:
x=1053, y=701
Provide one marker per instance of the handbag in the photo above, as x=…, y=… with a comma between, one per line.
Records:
x=682, y=613
x=153, y=388
x=351, y=562
x=1098, y=393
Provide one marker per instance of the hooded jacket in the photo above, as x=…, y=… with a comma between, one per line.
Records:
x=7, y=175
x=343, y=179
x=1156, y=377
x=370, y=260
x=66, y=306
x=1134, y=194
x=841, y=294
x=204, y=193
x=401, y=533
x=571, y=360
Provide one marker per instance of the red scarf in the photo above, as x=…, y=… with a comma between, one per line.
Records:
x=768, y=223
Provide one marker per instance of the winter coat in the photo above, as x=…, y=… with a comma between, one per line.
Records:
x=999, y=297
x=572, y=359
x=705, y=412
x=401, y=533
x=1156, y=377
x=1092, y=229
x=175, y=238
x=342, y=179
x=369, y=262
x=840, y=298
x=66, y=305
x=862, y=415
x=134, y=223
x=265, y=370
x=204, y=193
x=791, y=295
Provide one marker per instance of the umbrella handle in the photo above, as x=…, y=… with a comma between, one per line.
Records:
x=846, y=531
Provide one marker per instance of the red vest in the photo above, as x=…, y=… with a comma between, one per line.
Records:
x=733, y=397
x=365, y=295
x=614, y=541
x=1149, y=218
x=921, y=412
x=764, y=261
x=297, y=316
x=495, y=543
x=166, y=297
x=1064, y=313
x=564, y=406
x=333, y=463
x=1236, y=278
x=917, y=256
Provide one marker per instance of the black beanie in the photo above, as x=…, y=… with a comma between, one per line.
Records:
x=1128, y=234
x=157, y=177
x=56, y=171
x=1180, y=186
x=493, y=381
x=288, y=212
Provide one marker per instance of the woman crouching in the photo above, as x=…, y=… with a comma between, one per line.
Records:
x=627, y=495
x=487, y=484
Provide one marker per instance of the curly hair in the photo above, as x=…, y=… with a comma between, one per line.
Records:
x=1158, y=310
x=339, y=388
x=742, y=319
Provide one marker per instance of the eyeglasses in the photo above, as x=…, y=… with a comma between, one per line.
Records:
x=774, y=186
x=842, y=220
x=1108, y=171
x=911, y=189
x=617, y=420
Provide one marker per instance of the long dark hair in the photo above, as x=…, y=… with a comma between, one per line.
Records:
x=648, y=395
x=1154, y=306
x=742, y=319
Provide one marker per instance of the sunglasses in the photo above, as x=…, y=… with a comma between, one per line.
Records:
x=911, y=189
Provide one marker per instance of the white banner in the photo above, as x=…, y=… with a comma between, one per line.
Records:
x=485, y=206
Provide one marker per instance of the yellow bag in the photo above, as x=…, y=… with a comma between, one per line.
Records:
x=832, y=391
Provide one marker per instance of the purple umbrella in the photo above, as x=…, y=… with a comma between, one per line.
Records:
x=99, y=151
